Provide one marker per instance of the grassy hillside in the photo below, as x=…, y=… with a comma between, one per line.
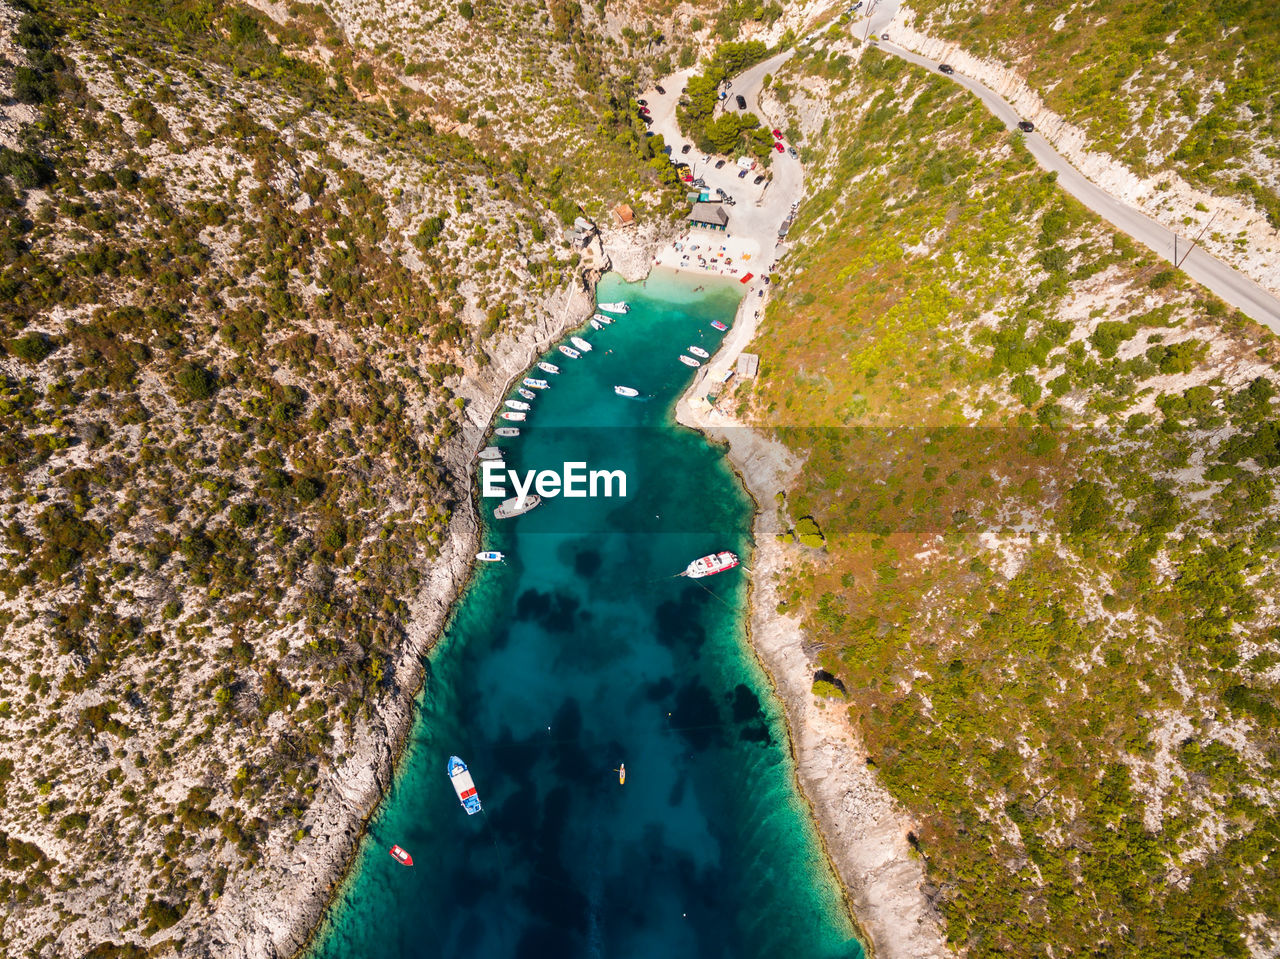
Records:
x=1188, y=87
x=1039, y=476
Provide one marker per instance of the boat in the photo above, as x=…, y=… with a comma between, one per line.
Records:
x=513, y=507
x=746, y=278
x=512, y=416
x=717, y=325
x=622, y=774
x=626, y=391
x=619, y=307
x=548, y=367
x=699, y=351
x=710, y=565
x=689, y=360
x=490, y=453
x=400, y=856
x=580, y=343
x=490, y=556
x=527, y=394
x=569, y=352
x=463, y=786
x=516, y=404
x=596, y=324
x=601, y=318
x=533, y=384
x=506, y=431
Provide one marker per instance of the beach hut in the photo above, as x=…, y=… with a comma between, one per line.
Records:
x=709, y=216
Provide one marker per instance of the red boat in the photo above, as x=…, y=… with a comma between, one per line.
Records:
x=400, y=856
x=747, y=278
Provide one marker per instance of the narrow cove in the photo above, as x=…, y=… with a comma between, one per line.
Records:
x=583, y=651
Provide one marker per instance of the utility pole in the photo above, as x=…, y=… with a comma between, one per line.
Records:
x=1176, y=261
x=870, y=10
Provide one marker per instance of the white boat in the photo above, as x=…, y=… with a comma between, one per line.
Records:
x=506, y=431
x=490, y=453
x=513, y=507
x=596, y=324
x=626, y=391
x=689, y=360
x=533, y=384
x=699, y=351
x=570, y=352
x=619, y=307
x=548, y=368
x=527, y=394
x=580, y=343
x=710, y=565
x=513, y=417
x=463, y=785
x=516, y=404
x=600, y=317
x=490, y=556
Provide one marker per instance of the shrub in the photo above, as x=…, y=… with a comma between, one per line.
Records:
x=307, y=488
x=826, y=690
x=196, y=382
x=808, y=533
x=32, y=348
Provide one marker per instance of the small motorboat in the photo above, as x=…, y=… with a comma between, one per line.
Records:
x=490, y=556
x=699, y=351
x=400, y=856
x=622, y=774
x=596, y=324
x=527, y=394
x=717, y=325
x=600, y=317
x=463, y=785
x=513, y=507
x=689, y=360
x=710, y=565
x=490, y=453
x=626, y=391
x=515, y=404
x=506, y=431
x=548, y=368
x=569, y=351
x=619, y=307
x=512, y=416
x=533, y=384
x=580, y=343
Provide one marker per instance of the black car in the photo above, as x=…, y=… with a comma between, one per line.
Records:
x=947, y=68
x=758, y=180
x=742, y=103
x=719, y=164
x=643, y=103
x=660, y=90
x=686, y=148
x=1026, y=126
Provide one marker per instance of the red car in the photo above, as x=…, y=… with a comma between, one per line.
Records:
x=777, y=134
x=779, y=147
x=688, y=178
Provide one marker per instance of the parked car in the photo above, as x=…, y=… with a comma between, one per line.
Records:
x=686, y=148
x=699, y=182
x=884, y=36
x=792, y=151
x=661, y=91
x=742, y=103
x=728, y=84
x=644, y=111
x=719, y=164
x=643, y=103
x=946, y=68
x=724, y=94
x=1026, y=126
x=667, y=150
x=758, y=180
x=779, y=147
x=777, y=134
x=687, y=178
x=741, y=174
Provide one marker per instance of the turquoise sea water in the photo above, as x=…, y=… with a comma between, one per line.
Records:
x=584, y=651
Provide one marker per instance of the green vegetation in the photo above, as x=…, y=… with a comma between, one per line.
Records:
x=731, y=131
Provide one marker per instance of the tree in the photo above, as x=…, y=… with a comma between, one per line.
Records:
x=32, y=348
x=196, y=382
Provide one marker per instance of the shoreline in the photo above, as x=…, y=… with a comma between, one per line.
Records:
x=862, y=830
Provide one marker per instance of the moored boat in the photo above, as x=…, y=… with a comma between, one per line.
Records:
x=490, y=453
x=527, y=394
x=596, y=324
x=515, y=404
x=506, y=431
x=711, y=564
x=511, y=415
x=569, y=351
x=490, y=556
x=606, y=320
x=548, y=367
x=535, y=384
x=580, y=343
x=699, y=351
x=513, y=507
x=689, y=360
x=463, y=785
x=717, y=325
x=619, y=307
x=626, y=391
x=400, y=856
